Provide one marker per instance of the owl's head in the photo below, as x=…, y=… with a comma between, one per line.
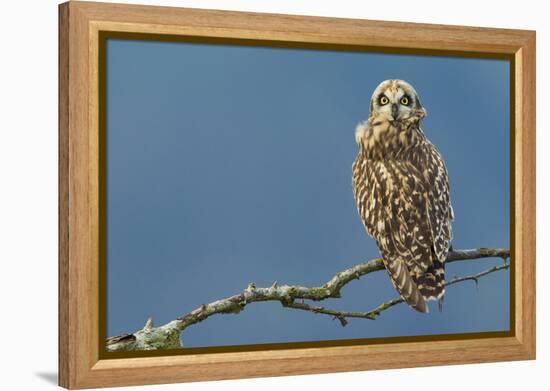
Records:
x=397, y=101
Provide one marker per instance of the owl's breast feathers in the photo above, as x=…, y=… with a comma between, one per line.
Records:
x=401, y=190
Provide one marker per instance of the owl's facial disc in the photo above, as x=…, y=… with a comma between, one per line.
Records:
x=396, y=104
x=396, y=100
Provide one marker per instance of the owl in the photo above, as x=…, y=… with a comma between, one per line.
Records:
x=401, y=188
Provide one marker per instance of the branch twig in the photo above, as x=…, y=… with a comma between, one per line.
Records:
x=374, y=313
x=167, y=336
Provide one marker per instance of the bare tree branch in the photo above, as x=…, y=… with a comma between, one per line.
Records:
x=167, y=336
x=374, y=313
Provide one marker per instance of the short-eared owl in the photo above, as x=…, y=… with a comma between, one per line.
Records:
x=401, y=189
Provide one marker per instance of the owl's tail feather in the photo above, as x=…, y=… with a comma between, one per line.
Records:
x=405, y=285
x=432, y=283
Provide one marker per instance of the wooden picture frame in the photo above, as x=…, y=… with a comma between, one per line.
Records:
x=80, y=26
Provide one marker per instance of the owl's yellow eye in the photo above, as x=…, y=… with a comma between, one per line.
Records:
x=384, y=100
x=405, y=101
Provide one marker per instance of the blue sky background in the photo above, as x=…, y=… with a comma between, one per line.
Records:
x=228, y=165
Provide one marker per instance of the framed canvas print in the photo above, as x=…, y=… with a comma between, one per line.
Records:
x=248, y=195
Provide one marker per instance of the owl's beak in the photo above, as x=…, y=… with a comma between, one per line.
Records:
x=394, y=110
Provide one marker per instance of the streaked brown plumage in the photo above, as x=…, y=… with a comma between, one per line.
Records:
x=401, y=189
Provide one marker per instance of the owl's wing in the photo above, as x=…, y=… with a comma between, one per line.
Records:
x=392, y=200
x=440, y=211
